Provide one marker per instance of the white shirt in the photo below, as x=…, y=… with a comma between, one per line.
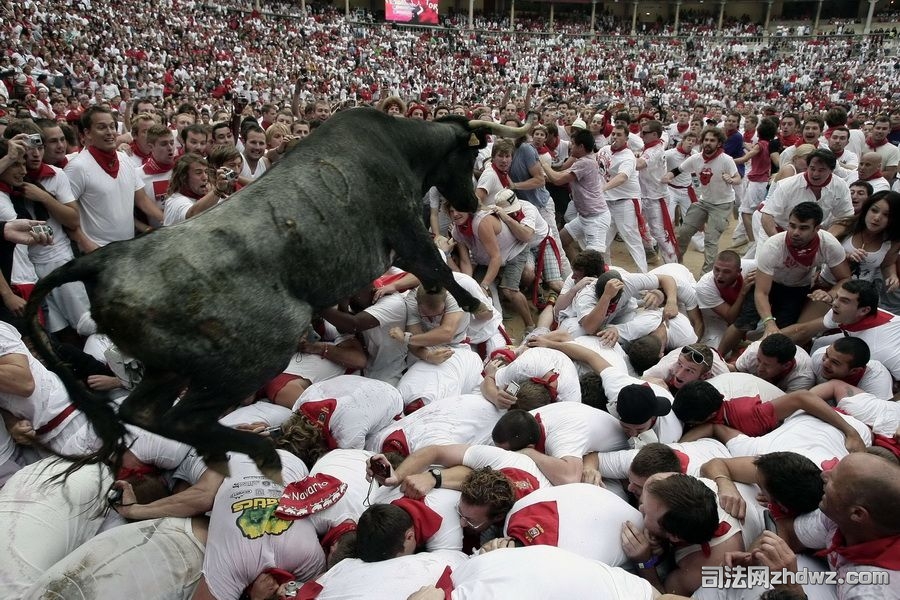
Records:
x=713, y=189
x=883, y=416
x=709, y=297
x=651, y=176
x=477, y=457
x=350, y=467
x=615, y=465
x=537, y=362
x=773, y=258
x=741, y=385
x=666, y=429
x=575, y=429
x=611, y=164
x=386, y=356
x=882, y=341
x=834, y=199
x=61, y=248
x=800, y=377
x=106, y=205
x=876, y=380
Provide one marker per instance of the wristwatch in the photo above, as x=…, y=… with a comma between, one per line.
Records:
x=650, y=563
x=436, y=473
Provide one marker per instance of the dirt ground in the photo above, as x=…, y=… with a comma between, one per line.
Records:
x=620, y=257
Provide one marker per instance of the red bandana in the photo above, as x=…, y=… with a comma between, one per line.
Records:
x=501, y=175
x=309, y=495
x=876, y=175
x=731, y=293
x=884, y=552
x=506, y=353
x=541, y=445
x=682, y=152
x=683, y=460
x=426, y=522
x=5, y=187
x=63, y=162
x=320, y=413
x=748, y=135
x=649, y=145
x=336, y=533
x=614, y=151
x=396, y=442
x=810, y=184
x=108, y=161
x=875, y=145
x=714, y=156
x=151, y=167
x=870, y=321
x=523, y=482
x=548, y=383
x=804, y=256
x=42, y=172
x=854, y=379
x=465, y=228
x=682, y=128
x=802, y=142
x=186, y=191
x=535, y=524
x=135, y=149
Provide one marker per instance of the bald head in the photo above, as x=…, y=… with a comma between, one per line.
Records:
x=873, y=483
x=869, y=164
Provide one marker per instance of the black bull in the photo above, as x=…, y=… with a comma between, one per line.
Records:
x=216, y=305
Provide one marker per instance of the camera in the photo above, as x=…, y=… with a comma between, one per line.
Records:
x=34, y=140
x=231, y=174
x=382, y=470
x=114, y=496
x=513, y=388
x=41, y=229
x=290, y=589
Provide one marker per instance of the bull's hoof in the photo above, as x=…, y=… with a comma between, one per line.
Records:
x=273, y=473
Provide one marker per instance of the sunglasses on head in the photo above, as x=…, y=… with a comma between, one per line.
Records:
x=695, y=355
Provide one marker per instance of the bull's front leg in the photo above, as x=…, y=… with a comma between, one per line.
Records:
x=417, y=254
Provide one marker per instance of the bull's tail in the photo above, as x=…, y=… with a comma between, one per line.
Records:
x=98, y=409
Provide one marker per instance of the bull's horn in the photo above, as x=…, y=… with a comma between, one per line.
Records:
x=502, y=130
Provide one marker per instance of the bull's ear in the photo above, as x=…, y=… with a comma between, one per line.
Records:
x=474, y=141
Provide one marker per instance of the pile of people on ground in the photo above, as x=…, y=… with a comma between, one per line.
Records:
x=652, y=429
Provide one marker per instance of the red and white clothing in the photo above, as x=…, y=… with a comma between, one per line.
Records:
x=159, y=558
x=175, y=208
x=882, y=416
x=349, y=466
x=619, y=312
x=492, y=183
x=537, y=362
x=623, y=201
x=509, y=245
x=44, y=521
x=728, y=528
x=799, y=376
x=386, y=356
x=352, y=408
x=539, y=572
x=681, y=189
x=522, y=472
x=880, y=331
x=614, y=355
x=245, y=536
x=443, y=503
x=592, y=217
x=467, y=419
x=815, y=530
x=656, y=207
x=314, y=367
x=713, y=189
x=803, y=434
x=155, y=178
x=575, y=429
x=459, y=374
x=889, y=153
x=876, y=379
x=483, y=336
x=389, y=579
x=709, y=296
x=692, y=455
x=834, y=198
x=106, y=204
x=579, y=517
x=774, y=258
x=428, y=323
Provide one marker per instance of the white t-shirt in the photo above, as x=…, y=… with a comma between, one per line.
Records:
x=578, y=517
x=61, y=248
x=245, y=537
x=155, y=186
x=499, y=459
x=490, y=183
x=106, y=205
x=382, y=580
x=542, y=572
x=666, y=429
x=537, y=362
x=663, y=369
x=773, y=258
x=574, y=429
x=883, y=416
x=876, y=380
x=350, y=467
x=693, y=455
x=428, y=323
x=363, y=406
x=882, y=341
x=709, y=297
x=480, y=331
x=740, y=385
x=803, y=434
x=834, y=199
x=449, y=535
x=176, y=208
x=467, y=419
x=459, y=374
x=651, y=176
x=713, y=189
x=586, y=300
x=685, y=283
x=800, y=377
x=387, y=356
x=611, y=164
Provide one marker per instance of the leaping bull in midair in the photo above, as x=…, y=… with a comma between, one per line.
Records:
x=215, y=305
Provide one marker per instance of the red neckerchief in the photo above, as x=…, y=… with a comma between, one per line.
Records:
x=502, y=176
x=548, y=383
x=336, y=533
x=63, y=162
x=518, y=215
x=809, y=184
x=804, y=256
x=682, y=128
x=683, y=461
x=186, y=191
x=552, y=147
x=714, y=156
x=614, y=151
x=682, y=152
x=723, y=528
x=522, y=482
x=837, y=154
x=779, y=512
x=748, y=135
x=876, y=175
x=136, y=150
x=151, y=167
x=108, y=161
x=543, y=150
x=319, y=414
x=396, y=442
x=279, y=575
x=827, y=133
x=789, y=140
x=541, y=445
x=875, y=145
x=426, y=521
x=855, y=379
x=465, y=228
x=880, y=317
x=140, y=470
x=5, y=187
x=731, y=292
x=651, y=144
x=42, y=172
x=888, y=443
x=884, y=552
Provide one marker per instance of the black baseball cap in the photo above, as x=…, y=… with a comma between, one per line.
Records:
x=638, y=403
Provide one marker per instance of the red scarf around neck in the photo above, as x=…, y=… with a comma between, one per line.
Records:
x=854, y=379
x=879, y=317
x=466, y=227
x=884, y=552
x=649, y=145
x=804, y=256
x=875, y=145
x=731, y=292
x=682, y=128
x=108, y=161
x=42, y=172
x=136, y=150
x=876, y=175
x=501, y=175
x=614, y=151
x=812, y=185
x=186, y=191
x=151, y=167
x=714, y=156
x=5, y=187
x=748, y=135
